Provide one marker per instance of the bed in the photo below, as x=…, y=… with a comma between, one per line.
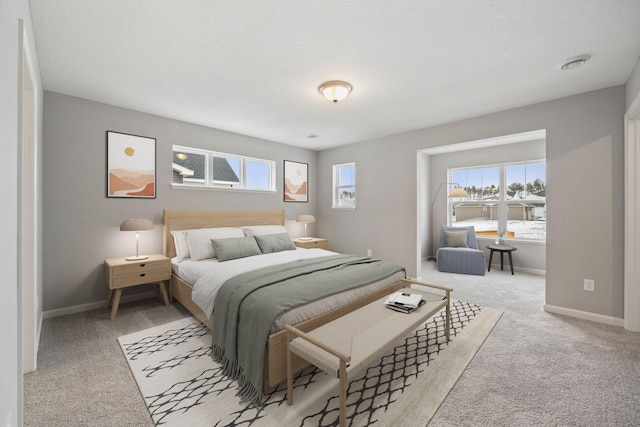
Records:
x=275, y=369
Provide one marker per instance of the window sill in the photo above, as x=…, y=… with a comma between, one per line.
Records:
x=203, y=187
x=514, y=241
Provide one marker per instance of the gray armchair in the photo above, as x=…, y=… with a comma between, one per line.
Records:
x=455, y=257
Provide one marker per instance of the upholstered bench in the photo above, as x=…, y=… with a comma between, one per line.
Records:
x=347, y=345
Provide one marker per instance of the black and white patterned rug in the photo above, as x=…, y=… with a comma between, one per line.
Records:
x=182, y=385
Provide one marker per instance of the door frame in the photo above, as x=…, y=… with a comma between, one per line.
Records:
x=29, y=207
x=632, y=218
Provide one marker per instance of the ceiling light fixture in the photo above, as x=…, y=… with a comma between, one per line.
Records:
x=335, y=90
x=575, y=62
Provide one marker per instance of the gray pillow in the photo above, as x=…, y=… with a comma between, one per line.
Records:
x=456, y=239
x=275, y=243
x=235, y=247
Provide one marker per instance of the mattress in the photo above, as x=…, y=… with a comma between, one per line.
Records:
x=208, y=275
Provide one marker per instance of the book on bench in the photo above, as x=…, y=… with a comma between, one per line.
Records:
x=404, y=302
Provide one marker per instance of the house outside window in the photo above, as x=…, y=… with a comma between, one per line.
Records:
x=507, y=201
x=344, y=186
x=193, y=167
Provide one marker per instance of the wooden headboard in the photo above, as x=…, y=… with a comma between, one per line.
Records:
x=187, y=220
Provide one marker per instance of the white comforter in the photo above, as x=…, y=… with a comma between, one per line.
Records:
x=208, y=275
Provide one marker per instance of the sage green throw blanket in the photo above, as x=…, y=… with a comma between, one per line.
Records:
x=247, y=305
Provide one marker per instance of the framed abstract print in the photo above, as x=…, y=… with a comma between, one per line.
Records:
x=296, y=179
x=131, y=166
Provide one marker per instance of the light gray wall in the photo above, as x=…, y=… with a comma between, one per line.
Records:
x=81, y=225
x=11, y=12
x=584, y=152
x=530, y=255
x=584, y=145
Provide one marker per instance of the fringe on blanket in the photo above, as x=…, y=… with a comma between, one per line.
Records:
x=247, y=390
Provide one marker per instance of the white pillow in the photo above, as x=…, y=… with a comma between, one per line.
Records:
x=264, y=230
x=200, y=246
x=181, y=244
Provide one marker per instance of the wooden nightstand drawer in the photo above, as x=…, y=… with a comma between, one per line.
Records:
x=144, y=266
x=124, y=280
x=313, y=242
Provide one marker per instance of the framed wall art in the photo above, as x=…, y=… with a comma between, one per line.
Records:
x=131, y=166
x=296, y=180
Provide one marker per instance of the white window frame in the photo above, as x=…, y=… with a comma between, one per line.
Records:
x=189, y=181
x=272, y=171
x=338, y=187
x=209, y=183
x=502, y=203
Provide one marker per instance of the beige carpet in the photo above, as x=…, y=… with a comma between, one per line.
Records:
x=535, y=368
x=181, y=385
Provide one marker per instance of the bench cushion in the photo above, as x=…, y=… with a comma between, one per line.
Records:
x=365, y=334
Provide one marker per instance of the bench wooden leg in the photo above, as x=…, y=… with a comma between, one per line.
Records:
x=343, y=393
x=448, y=320
x=289, y=373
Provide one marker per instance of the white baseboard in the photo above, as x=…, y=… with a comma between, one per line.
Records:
x=585, y=315
x=530, y=271
x=94, y=305
x=496, y=266
x=39, y=333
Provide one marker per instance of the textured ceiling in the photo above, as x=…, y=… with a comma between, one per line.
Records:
x=254, y=67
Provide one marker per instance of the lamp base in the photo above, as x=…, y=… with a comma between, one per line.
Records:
x=305, y=238
x=136, y=258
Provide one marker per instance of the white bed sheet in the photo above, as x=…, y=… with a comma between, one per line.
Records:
x=207, y=276
x=190, y=270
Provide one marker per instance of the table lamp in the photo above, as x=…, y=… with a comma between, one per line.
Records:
x=137, y=225
x=305, y=219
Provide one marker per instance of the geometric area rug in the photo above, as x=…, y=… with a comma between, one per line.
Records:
x=183, y=386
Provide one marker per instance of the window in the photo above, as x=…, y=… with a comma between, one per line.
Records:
x=506, y=201
x=193, y=167
x=344, y=186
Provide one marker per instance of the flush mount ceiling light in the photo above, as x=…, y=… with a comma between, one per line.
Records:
x=335, y=90
x=575, y=62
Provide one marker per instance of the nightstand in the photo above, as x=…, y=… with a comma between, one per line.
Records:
x=120, y=273
x=311, y=242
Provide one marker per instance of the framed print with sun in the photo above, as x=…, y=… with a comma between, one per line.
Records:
x=296, y=177
x=131, y=166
